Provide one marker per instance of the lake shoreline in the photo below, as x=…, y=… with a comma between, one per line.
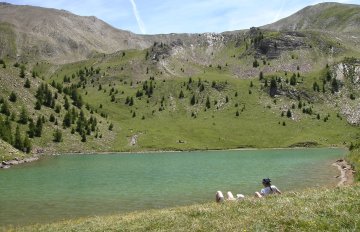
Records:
x=37, y=156
x=346, y=172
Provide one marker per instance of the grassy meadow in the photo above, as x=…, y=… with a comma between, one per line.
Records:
x=325, y=209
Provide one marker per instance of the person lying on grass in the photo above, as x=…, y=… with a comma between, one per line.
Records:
x=269, y=189
x=219, y=197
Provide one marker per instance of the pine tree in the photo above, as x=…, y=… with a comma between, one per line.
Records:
x=18, y=143
x=208, y=102
x=27, y=144
x=52, y=118
x=38, y=127
x=131, y=101
x=181, y=95
x=57, y=136
x=31, y=131
x=288, y=114
x=193, y=100
x=261, y=76
x=273, y=87
x=334, y=85
x=22, y=71
x=83, y=137
x=5, y=108
x=66, y=104
x=67, y=120
x=38, y=105
x=293, y=79
x=27, y=83
x=13, y=97
x=6, y=131
x=24, y=117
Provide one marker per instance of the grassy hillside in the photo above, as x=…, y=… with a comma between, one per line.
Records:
x=334, y=209
x=323, y=16
x=8, y=152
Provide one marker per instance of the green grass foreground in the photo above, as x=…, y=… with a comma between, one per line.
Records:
x=324, y=209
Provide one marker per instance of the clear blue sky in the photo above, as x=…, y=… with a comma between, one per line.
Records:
x=190, y=16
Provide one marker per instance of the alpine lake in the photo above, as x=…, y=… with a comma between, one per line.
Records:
x=70, y=186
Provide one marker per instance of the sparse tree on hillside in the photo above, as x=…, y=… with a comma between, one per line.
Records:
x=288, y=114
x=261, y=76
x=193, y=100
x=13, y=97
x=66, y=104
x=52, y=118
x=27, y=83
x=181, y=95
x=22, y=71
x=57, y=136
x=273, y=87
x=5, y=130
x=316, y=87
x=24, y=116
x=38, y=127
x=208, y=102
x=293, y=79
x=5, y=109
x=27, y=144
x=334, y=85
x=18, y=143
x=31, y=131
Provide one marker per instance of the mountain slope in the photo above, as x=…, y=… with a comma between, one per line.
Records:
x=59, y=35
x=324, y=16
x=251, y=88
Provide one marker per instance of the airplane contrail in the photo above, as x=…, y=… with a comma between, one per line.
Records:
x=138, y=18
x=279, y=11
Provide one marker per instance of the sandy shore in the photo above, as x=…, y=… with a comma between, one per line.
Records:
x=346, y=172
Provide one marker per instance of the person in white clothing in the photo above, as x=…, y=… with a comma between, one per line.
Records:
x=268, y=189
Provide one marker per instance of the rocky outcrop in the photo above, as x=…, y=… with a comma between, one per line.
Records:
x=16, y=161
x=273, y=47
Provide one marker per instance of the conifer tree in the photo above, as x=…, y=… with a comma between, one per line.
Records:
x=31, y=131
x=57, y=135
x=18, y=143
x=5, y=109
x=181, y=95
x=38, y=127
x=27, y=144
x=13, y=97
x=66, y=104
x=27, y=83
x=193, y=100
x=24, y=117
x=22, y=71
x=208, y=102
x=5, y=130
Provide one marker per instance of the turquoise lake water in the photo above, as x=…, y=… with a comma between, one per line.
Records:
x=71, y=186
